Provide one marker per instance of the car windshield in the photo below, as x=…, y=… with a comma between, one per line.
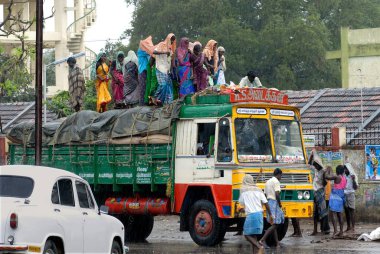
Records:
x=287, y=141
x=253, y=140
x=16, y=186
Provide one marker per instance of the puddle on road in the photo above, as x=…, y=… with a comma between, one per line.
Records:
x=240, y=248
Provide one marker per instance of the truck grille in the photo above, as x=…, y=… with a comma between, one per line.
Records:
x=286, y=178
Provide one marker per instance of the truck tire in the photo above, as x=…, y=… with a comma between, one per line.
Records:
x=205, y=227
x=281, y=232
x=137, y=227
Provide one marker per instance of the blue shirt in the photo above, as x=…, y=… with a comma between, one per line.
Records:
x=143, y=59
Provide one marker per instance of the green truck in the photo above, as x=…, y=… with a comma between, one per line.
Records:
x=187, y=159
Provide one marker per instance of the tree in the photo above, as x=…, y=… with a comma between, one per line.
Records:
x=285, y=41
x=15, y=79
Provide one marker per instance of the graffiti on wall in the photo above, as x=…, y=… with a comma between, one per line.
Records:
x=372, y=153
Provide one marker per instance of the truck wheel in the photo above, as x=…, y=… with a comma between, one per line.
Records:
x=205, y=227
x=281, y=232
x=137, y=227
x=50, y=247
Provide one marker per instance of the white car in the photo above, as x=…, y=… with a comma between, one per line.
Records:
x=48, y=210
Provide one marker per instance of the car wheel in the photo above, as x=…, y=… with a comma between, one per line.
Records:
x=50, y=247
x=116, y=248
x=205, y=227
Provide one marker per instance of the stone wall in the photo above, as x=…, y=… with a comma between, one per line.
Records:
x=368, y=194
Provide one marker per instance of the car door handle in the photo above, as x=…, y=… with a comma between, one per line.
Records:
x=85, y=213
x=57, y=210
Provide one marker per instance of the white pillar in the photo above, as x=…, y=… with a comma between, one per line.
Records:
x=61, y=51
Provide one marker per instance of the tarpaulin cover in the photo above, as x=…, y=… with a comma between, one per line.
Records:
x=91, y=127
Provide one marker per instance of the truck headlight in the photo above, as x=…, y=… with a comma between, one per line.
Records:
x=299, y=195
x=306, y=195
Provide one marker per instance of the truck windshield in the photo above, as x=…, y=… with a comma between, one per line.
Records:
x=16, y=186
x=287, y=141
x=253, y=140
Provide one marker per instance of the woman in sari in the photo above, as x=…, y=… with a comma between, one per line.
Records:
x=200, y=71
x=211, y=57
x=151, y=81
x=117, y=84
x=101, y=83
x=219, y=77
x=184, y=68
x=163, y=54
x=144, y=53
x=131, y=88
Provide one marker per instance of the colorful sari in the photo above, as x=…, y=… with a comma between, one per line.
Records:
x=151, y=83
x=117, y=80
x=164, y=92
x=103, y=95
x=184, y=73
x=200, y=72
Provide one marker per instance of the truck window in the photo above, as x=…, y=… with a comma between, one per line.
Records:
x=205, y=138
x=287, y=141
x=224, y=141
x=253, y=141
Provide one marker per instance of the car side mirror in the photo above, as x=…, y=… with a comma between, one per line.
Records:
x=103, y=209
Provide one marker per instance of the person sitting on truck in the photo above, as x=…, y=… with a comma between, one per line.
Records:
x=251, y=80
x=252, y=199
x=272, y=191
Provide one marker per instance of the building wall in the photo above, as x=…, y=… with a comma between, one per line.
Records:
x=368, y=193
x=364, y=61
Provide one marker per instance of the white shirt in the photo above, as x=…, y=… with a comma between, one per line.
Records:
x=271, y=186
x=349, y=186
x=245, y=82
x=252, y=201
x=163, y=63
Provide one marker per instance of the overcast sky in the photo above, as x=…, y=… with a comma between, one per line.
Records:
x=113, y=18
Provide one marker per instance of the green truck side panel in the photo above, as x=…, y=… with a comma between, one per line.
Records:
x=114, y=165
x=210, y=110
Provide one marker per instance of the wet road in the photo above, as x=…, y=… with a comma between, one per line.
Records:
x=166, y=238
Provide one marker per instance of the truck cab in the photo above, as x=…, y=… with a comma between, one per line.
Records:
x=219, y=139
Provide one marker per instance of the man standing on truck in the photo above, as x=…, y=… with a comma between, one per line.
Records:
x=76, y=84
x=272, y=190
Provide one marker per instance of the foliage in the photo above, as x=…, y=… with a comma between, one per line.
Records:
x=49, y=57
x=285, y=41
x=15, y=80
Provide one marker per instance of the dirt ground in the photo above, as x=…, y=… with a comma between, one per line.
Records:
x=166, y=238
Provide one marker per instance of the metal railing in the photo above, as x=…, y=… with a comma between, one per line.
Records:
x=322, y=136
x=88, y=17
x=367, y=136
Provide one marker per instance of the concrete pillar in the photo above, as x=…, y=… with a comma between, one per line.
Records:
x=3, y=158
x=345, y=56
x=338, y=137
x=61, y=51
x=32, y=13
x=81, y=25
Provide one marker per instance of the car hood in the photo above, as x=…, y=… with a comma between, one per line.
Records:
x=8, y=205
